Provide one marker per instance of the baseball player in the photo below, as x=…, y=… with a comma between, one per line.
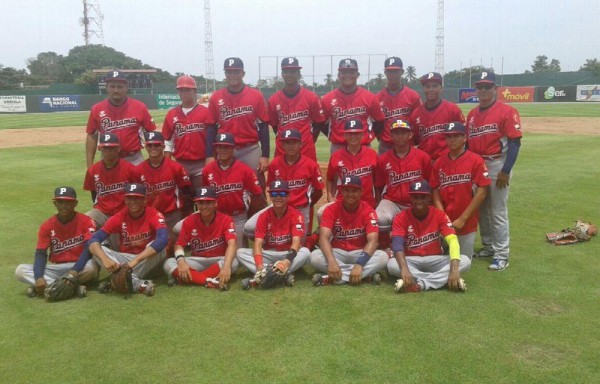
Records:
x=350, y=101
x=453, y=179
x=65, y=234
x=295, y=107
x=121, y=115
x=431, y=118
x=241, y=111
x=143, y=236
x=184, y=131
x=397, y=100
x=494, y=133
x=416, y=241
x=233, y=181
x=210, y=235
x=348, y=240
x=396, y=170
x=279, y=233
x=302, y=175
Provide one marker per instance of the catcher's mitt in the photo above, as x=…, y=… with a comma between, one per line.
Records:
x=276, y=275
x=63, y=288
x=584, y=231
x=120, y=281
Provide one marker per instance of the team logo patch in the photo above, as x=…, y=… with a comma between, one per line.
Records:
x=231, y=230
x=410, y=228
x=123, y=226
x=333, y=101
x=194, y=232
x=221, y=102
x=299, y=227
x=161, y=221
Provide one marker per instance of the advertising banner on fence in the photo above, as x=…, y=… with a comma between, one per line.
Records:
x=515, y=94
x=167, y=100
x=59, y=103
x=12, y=104
x=588, y=93
x=555, y=94
x=467, y=95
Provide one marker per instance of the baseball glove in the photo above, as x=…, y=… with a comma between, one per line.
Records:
x=276, y=275
x=581, y=232
x=120, y=280
x=63, y=288
x=584, y=231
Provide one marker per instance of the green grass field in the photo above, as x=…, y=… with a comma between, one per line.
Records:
x=536, y=322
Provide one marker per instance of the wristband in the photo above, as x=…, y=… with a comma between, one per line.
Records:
x=291, y=254
x=179, y=255
x=258, y=260
x=363, y=259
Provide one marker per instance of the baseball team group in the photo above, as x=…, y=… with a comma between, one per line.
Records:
x=208, y=186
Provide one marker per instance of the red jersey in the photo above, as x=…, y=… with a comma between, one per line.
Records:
x=124, y=120
x=207, y=240
x=296, y=112
x=231, y=185
x=188, y=132
x=349, y=229
x=109, y=185
x=422, y=237
x=395, y=174
x=162, y=182
x=302, y=177
x=276, y=232
x=135, y=234
x=455, y=180
x=342, y=163
x=66, y=241
x=398, y=106
x=488, y=130
x=238, y=113
x=360, y=104
x=428, y=126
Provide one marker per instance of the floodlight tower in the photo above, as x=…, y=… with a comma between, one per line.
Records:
x=208, y=50
x=439, y=38
x=92, y=21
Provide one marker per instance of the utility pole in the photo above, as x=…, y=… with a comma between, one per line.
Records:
x=92, y=21
x=439, y=38
x=208, y=50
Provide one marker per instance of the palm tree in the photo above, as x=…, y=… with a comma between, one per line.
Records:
x=411, y=73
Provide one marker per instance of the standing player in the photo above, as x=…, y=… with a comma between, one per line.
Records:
x=65, y=234
x=233, y=181
x=295, y=107
x=350, y=101
x=211, y=238
x=121, y=115
x=241, y=111
x=454, y=177
x=431, y=118
x=184, y=131
x=494, y=133
x=398, y=101
x=302, y=175
x=348, y=240
x=416, y=241
x=279, y=232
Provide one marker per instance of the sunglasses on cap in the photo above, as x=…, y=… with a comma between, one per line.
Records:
x=484, y=86
x=278, y=194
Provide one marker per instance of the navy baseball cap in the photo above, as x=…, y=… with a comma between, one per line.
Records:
x=224, y=138
x=353, y=125
x=455, y=127
x=279, y=185
x=290, y=62
x=205, y=193
x=135, y=190
x=153, y=137
x=65, y=193
x=348, y=64
x=108, y=139
x=351, y=182
x=290, y=134
x=486, y=77
x=233, y=63
x=433, y=77
x=116, y=75
x=393, y=63
x=400, y=124
x=420, y=187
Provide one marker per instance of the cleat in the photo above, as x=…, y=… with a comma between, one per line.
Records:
x=148, y=288
x=375, y=279
x=31, y=292
x=389, y=252
x=462, y=286
x=400, y=287
x=104, y=286
x=498, y=265
x=289, y=281
x=213, y=282
x=248, y=283
x=81, y=291
x=483, y=253
x=319, y=280
x=171, y=282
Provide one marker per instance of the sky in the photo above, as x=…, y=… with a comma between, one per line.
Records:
x=169, y=34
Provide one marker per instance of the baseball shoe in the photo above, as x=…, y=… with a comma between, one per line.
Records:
x=31, y=292
x=483, y=253
x=401, y=287
x=104, y=286
x=248, y=283
x=374, y=279
x=498, y=265
x=319, y=279
x=213, y=282
x=82, y=291
x=172, y=281
x=289, y=280
x=148, y=288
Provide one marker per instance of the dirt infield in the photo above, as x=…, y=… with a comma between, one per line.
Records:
x=12, y=138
